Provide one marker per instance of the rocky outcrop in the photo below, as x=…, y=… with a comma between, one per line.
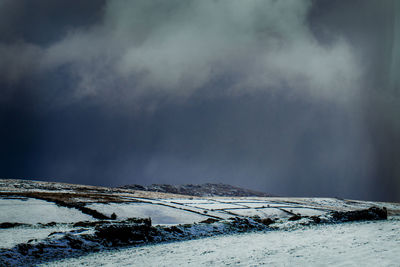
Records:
x=373, y=213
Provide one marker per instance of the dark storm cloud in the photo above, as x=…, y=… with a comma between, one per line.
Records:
x=264, y=94
x=45, y=21
x=172, y=49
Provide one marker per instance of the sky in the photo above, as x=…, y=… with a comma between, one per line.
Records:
x=291, y=97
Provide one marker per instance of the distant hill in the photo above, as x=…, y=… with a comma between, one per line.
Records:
x=201, y=190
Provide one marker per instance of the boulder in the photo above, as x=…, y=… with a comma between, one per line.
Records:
x=373, y=213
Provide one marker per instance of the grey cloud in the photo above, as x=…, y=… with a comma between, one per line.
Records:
x=150, y=49
x=18, y=60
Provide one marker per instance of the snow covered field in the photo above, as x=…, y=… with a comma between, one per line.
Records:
x=372, y=243
x=66, y=225
x=159, y=214
x=30, y=210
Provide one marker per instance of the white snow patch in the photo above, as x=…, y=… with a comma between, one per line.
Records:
x=189, y=201
x=159, y=214
x=216, y=206
x=30, y=210
x=305, y=211
x=264, y=204
x=263, y=213
x=237, y=199
x=14, y=236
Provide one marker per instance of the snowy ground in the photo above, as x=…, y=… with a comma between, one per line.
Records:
x=375, y=243
x=63, y=219
x=159, y=214
x=29, y=210
x=14, y=236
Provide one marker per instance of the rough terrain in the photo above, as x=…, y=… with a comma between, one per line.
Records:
x=43, y=222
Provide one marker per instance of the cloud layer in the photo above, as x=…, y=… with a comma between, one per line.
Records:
x=155, y=50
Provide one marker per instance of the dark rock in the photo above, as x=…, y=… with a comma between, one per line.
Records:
x=210, y=220
x=24, y=248
x=94, y=213
x=6, y=225
x=49, y=224
x=88, y=223
x=373, y=213
x=241, y=224
x=295, y=217
x=174, y=229
x=124, y=233
x=53, y=233
x=266, y=221
x=113, y=216
x=74, y=242
x=120, y=234
x=316, y=219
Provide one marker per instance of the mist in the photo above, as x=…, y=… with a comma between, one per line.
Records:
x=294, y=98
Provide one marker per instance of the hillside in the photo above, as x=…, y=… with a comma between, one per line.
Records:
x=48, y=222
x=199, y=190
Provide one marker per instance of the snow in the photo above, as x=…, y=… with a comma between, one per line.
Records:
x=305, y=211
x=263, y=204
x=32, y=211
x=74, y=241
x=183, y=206
x=13, y=236
x=266, y=212
x=172, y=211
x=284, y=242
x=159, y=214
x=239, y=200
x=189, y=201
x=374, y=243
x=216, y=206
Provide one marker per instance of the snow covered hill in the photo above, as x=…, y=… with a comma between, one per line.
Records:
x=42, y=222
